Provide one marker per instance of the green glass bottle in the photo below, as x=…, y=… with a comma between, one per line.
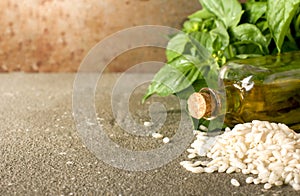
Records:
x=262, y=88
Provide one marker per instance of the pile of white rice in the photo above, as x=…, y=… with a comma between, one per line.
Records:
x=269, y=151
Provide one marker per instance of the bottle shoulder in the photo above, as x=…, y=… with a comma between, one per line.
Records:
x=263, y=70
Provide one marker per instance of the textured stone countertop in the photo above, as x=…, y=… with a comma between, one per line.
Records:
x=42, y=152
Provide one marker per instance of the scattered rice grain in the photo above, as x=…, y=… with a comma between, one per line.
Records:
x=166, y=140
x=249, y=180
x=157, y=135
x=234, y=182
x=148, y=124
x=267, y=186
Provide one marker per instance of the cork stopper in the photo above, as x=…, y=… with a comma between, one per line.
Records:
x=199, y=105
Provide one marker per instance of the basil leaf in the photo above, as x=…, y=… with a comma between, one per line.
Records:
x=289, y=46
x=195, y=87
x=254, y=11
x=228, y=11
x=215, y=39
x=205, y=63
x=246, y=56
x=191, y=26
x=201, y=20
x=263, y=26
x=279, y=15
x=176, y=46
x=245, y=49
x=173, y=77
x=201, y=15
x=249, y=33
x=222, y=36
x=205, y=39
x=297, y=23
x=183, y=71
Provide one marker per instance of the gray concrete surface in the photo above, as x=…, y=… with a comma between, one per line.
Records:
x=41, y=152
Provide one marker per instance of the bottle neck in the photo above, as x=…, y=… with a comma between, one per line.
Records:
x=210, y=104
x=207, y=103
x=216, y=101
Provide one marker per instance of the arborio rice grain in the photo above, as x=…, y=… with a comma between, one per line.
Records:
x=268, y=150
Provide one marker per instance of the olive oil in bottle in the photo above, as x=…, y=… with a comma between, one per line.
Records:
x=263, y=88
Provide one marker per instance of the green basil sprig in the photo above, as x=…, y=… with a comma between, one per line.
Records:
x=221, y=31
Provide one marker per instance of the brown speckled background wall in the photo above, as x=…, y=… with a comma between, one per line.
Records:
x=55, y=35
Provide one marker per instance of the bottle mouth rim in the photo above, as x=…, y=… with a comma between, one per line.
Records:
x=216, y=103
x=198, y=105
x=204, y=104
